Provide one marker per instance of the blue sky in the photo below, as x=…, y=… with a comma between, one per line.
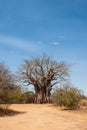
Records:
x=55, y=27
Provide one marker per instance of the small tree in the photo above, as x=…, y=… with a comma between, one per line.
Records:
x=68, y=96
x=7, y=85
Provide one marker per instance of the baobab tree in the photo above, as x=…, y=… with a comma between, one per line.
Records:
x=43, y=73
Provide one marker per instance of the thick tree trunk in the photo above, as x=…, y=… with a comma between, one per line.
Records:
x=42, y=97
x=42, y=94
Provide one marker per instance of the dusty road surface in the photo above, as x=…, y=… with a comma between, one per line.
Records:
x=43, y=117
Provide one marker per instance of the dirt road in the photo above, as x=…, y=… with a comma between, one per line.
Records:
x=43, y=117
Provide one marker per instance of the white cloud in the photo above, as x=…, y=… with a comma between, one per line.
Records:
x=55, y=43
x=19, y=43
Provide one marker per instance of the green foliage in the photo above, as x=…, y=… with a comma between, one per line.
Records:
x=29, y=97
x=68, y=96
x=25, y=97
x=19, y=98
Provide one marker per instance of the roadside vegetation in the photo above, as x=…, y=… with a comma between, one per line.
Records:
x=68, y=97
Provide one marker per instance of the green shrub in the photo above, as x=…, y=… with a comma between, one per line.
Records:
x=19, y=98
x=25, y=97
x=68, y=96
x=29, y=97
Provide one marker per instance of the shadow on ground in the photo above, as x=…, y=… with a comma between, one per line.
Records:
x=9, y=112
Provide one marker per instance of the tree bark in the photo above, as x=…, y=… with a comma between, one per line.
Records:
x=43, y=96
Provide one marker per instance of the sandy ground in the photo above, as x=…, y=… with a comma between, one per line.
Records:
x=43, y=117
